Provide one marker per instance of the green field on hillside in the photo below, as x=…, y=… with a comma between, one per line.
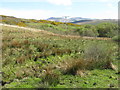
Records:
x=40, y=60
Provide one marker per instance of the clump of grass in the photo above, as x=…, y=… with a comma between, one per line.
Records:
x=81, y=73
x=26, y=42
x=15, y=43
x=70, y=66
x=29, y=71
x=50, y=76
x=19, y=74
x=20, y=59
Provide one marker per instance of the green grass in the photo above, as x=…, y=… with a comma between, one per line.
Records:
x=94, y=79
x=26, y=54
x=58, y=29
x=25, y=83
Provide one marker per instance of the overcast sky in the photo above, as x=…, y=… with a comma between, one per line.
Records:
x=42, y=9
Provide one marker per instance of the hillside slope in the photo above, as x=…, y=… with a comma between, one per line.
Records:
x=50, y=33
x=103, y=29
x=95, y=22
x=33, y=58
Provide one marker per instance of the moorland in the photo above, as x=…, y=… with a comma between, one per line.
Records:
x=48, y=54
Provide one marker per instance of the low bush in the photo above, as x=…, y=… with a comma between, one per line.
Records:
x=87, y=30
x=98, y=54
x=107, y=29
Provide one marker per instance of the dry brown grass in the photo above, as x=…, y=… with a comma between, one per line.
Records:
x=81, y=73
x=50, y=76
x=15, y=43
x=79, y=66
x=70, y=66
x=20, y=59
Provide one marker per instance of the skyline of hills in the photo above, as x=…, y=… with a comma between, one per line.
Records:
x=79, y=20
x=66, y=19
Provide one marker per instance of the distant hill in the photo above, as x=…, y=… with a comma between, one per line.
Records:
x=96, y=21
x=24, y=22
x=80, y=20
x=67, y=19
x=79, y=27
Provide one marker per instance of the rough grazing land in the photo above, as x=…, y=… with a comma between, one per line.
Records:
x=34, y=58
x=50, y=33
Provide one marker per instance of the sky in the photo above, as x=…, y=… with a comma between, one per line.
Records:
x=43, y=9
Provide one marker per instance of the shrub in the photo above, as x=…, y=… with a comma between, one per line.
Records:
x=98, y=54
x=87, y=30
x=107, y=29
x=89, y=33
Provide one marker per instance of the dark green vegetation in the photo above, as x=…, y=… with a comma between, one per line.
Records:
x=37, y=60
